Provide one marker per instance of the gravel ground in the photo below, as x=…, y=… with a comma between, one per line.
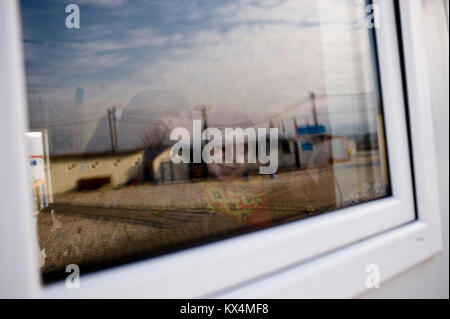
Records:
x=97, y=229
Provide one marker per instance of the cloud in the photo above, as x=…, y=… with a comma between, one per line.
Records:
x=100, y=3
x=243, y=55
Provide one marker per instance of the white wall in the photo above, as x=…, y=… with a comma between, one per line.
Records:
x=431, y=278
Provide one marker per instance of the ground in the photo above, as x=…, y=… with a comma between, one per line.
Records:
x=96, y=229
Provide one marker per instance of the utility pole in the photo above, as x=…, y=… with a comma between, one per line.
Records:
x=202, y=168
x=313, y=101
x=203, y=109
x=271, y=125
x=295, y=125
x=112, y=128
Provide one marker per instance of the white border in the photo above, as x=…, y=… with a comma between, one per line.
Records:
x=19, y=276
x=219, y=266
x=342, y=273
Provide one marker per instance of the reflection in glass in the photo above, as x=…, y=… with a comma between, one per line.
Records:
x=106, y=97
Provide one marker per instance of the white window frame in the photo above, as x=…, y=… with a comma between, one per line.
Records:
x=323, y=256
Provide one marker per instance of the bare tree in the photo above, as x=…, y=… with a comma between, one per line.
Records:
x=153, y=141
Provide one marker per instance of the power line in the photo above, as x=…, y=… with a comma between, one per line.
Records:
x=143, y=119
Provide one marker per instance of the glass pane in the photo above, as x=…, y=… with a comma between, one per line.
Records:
x=118, y=104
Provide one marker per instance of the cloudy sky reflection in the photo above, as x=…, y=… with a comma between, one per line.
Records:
x=261, y=58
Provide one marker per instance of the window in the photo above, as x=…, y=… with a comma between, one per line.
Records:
x=113, y=92
x=378, y=224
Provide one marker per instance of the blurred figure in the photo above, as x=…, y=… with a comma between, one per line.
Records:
x=144, y=124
